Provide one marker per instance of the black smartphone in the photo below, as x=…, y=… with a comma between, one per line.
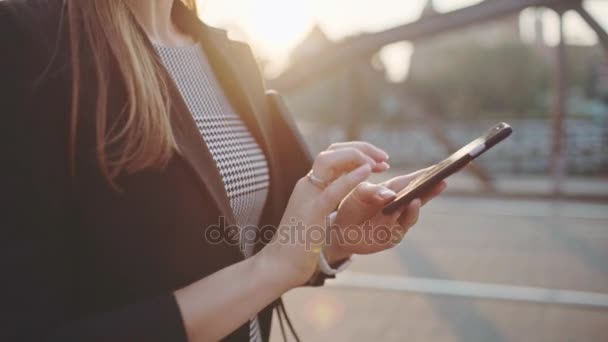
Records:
x=428, y=180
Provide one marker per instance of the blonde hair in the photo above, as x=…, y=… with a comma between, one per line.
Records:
x=144, y=138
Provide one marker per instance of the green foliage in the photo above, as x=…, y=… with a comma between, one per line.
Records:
x=351, y=92
x=475, y=80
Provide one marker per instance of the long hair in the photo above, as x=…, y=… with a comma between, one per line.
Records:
x=144, y=138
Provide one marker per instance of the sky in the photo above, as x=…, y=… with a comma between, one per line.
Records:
x=274, y=27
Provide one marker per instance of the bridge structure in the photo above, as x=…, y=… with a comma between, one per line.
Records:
x=367, y=45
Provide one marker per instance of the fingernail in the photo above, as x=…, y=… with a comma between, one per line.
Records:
x=363, y=169
x=387, y=193
x=385, y=165
x=417, y=202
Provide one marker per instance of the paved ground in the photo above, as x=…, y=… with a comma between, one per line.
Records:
x=557, y=245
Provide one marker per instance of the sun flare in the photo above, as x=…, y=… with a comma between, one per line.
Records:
x=276, y=25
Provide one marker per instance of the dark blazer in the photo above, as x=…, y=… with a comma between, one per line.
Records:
x=80, y=260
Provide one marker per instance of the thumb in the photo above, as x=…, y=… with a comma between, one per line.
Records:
x=364, y=203
x=372, y=195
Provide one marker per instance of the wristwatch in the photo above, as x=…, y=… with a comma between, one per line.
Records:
x=326, y=270
x=332, y=270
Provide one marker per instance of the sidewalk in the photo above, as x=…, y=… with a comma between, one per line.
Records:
x=522, y=243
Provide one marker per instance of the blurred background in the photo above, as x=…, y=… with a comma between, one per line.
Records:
x=517, y=249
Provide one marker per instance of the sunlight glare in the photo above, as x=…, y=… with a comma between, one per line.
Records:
x=275, y=27
x=324, y=311
x=277, y=24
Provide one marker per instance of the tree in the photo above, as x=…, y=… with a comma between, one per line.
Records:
x=475, y=81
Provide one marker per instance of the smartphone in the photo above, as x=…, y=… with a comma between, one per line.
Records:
x=428, y=180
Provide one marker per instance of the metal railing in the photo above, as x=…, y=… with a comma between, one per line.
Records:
x=366, y=45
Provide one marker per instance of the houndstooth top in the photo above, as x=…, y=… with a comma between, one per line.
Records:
x=239, y=159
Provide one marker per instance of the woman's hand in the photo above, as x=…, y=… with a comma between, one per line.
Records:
x=294, y=250
x=359, y=226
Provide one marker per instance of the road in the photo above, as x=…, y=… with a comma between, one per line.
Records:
x=484, y=242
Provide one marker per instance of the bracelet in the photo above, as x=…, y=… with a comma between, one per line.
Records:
x=324, y=265
x=328, y=270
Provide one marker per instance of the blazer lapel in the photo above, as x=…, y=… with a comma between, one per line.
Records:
x=191, y=146
x=234, y=76
x=234, y=79
x=194, y=150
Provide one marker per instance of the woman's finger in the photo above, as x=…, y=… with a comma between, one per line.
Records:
x=381, y=167
x=365, y=202
x=372, y=196
x=336, y=191
x=374, y=152
x=386, y=228
x=411, y=214
x=399, y=183
x=330, y=165
x=436, y=191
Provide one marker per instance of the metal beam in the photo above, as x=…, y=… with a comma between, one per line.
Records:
x=595, y=26
x=369, y=44
x=558, y=158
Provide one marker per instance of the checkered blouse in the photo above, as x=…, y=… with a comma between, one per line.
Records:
x=239, y=159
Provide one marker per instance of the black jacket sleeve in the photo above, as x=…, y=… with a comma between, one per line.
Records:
x=37, y=284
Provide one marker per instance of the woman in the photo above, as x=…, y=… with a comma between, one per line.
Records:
x=134, y=133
